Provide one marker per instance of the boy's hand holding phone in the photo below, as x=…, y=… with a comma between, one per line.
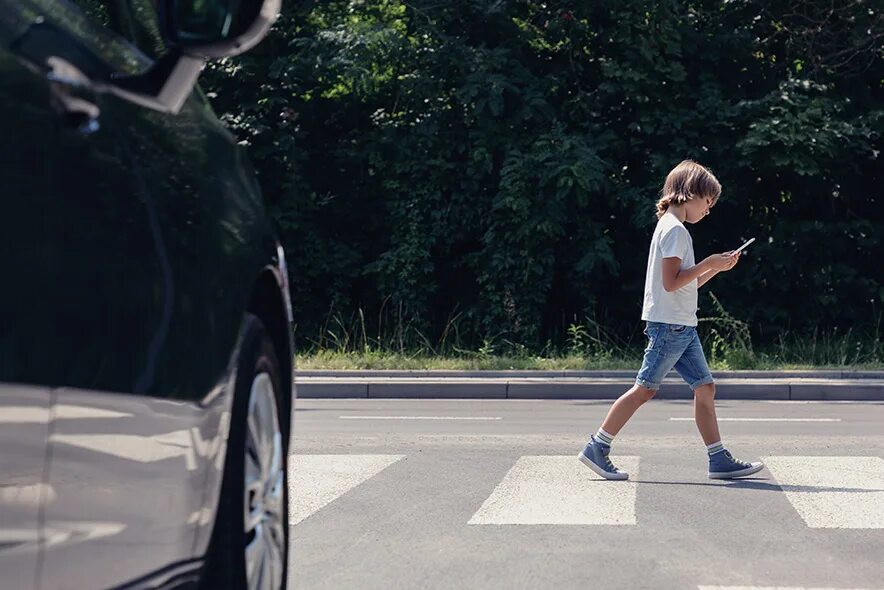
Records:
x=734, y=257
x=727, y=260
x=721, y=262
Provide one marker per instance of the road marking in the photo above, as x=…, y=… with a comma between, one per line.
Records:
x=69, y=411
x=133, y=447
x=24, y=415
x=555, y=489
x=833, y=492
x=39, y=415
x=317, y=480
x=818, y=401
x=32, y=496
x=420, y=417
x=767, y=588
x=764, y=419
x=70, y=532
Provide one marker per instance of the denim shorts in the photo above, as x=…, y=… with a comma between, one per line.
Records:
x=673, y=346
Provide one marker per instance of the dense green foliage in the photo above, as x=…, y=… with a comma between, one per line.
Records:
x=485, y=171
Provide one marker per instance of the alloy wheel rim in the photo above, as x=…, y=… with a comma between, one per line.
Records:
x=264, y=494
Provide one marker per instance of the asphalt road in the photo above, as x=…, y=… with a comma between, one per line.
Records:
x=489, y=494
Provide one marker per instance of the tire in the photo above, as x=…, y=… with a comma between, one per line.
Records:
x=247, y=527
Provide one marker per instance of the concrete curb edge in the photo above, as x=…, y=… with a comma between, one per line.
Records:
x=806, y=389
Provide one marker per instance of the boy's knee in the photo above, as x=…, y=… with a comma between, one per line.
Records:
x=644, y=394
x=705, y=391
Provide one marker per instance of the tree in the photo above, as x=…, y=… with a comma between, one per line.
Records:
x=498, y=161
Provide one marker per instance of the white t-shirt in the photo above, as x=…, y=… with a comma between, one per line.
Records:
x=671, y=238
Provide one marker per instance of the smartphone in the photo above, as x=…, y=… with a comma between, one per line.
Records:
x=740, y=249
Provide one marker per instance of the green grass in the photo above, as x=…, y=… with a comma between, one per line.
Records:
x=376, y=360
x=329, y=359
x=727, y=342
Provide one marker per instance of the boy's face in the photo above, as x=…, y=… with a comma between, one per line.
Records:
x=697, y=209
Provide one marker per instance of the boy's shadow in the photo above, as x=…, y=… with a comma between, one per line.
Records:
x=759, y=483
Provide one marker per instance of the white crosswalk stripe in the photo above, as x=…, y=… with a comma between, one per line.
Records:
x=317, y=480
x=559, y=490
x=833, y=492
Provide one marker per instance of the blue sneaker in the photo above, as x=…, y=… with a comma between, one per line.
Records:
x=595, y=456
x=722, y=465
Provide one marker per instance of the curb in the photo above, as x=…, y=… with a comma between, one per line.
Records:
x=804, y=386
x=615, y=374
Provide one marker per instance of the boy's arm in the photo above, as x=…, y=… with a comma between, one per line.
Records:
x=733, y=259
x=704, y=278
x=675, y=277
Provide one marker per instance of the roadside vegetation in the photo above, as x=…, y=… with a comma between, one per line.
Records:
x=473, y=181
x=348, y=345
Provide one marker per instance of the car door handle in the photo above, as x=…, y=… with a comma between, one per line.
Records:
x=70, y=96
x=74, y=74
x=76, y=112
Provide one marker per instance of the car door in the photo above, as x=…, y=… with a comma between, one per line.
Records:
x=24, y=401
x=46, y=128
x=89, y=309
x=24, y=424
x=214, y=235
x=143, y=237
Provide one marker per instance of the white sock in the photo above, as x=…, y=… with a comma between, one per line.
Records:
x=714, y=448
x=603, y=437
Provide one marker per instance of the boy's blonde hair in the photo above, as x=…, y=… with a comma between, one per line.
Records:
x=687, y=181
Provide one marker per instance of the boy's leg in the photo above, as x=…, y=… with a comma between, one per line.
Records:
x=595, y=454
x=693, y=368
x=704, y=413
x=660, y=355
x=665, y=346
x=625, y=406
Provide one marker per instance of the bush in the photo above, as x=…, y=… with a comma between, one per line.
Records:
x=498, y=161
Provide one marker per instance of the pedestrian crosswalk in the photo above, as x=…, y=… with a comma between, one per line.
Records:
x=833, y=492
x=840, y=492
x=317, y=480
x=552, y=490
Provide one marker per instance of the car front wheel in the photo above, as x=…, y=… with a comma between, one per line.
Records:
x=249, y=548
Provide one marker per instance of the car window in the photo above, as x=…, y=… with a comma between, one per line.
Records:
x=135, y=20
x=12, y=23
x=91, y=22
x=99, y=10
x=147, y=28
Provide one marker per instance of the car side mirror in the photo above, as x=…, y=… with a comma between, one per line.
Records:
x=196, y=30
x=216, y=28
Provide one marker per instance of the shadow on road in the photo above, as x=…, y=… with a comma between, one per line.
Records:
x=761, y=484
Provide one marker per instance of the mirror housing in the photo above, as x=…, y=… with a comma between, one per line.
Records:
x=196, y=30
x=216, y=28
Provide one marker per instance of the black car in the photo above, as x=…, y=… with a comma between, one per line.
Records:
x=146, y=396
